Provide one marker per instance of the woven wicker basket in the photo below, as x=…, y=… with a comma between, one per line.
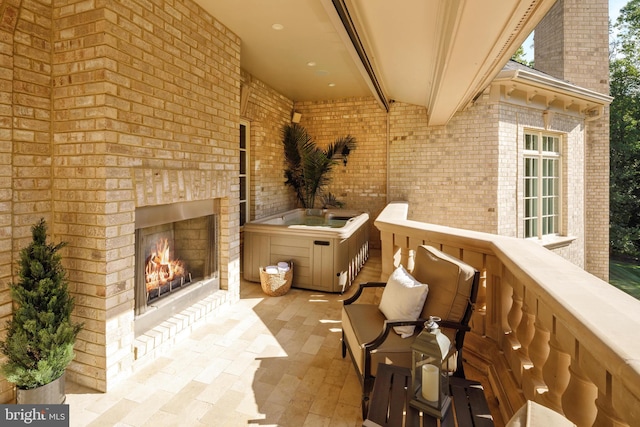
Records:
x=276, y=284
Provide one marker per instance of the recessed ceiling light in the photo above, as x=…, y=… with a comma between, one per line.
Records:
x=277, y=27
x=311, y=64
x=332, y=84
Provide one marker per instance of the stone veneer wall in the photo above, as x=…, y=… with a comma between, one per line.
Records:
x=116, y=106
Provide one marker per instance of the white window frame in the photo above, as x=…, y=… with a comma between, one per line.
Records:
x=244, y=203
x=543, y=198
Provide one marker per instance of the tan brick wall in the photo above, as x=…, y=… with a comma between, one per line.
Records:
x=268, y=112
x=465, y=174
x=147, y=104
x=25, y=136
x=582, y=58
x=361, y=184
x=447, y=173
x=549, y=42
x=116, y=106
x=8, y=22
x=514, y=121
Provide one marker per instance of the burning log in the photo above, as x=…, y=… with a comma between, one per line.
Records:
x=160, y=269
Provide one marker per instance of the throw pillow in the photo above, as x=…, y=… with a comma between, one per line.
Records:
x=532, y=414
x=403, y=299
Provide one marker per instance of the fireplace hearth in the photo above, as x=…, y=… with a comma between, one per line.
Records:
x=176, y=259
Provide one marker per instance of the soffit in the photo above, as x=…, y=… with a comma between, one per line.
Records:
x=436, y=53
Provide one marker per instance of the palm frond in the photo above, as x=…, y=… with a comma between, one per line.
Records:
x=308, y=167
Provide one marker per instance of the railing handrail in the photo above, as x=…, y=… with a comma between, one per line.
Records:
x=604, y=320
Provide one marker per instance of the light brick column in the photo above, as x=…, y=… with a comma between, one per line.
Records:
x=146, y=106
x=572, y=43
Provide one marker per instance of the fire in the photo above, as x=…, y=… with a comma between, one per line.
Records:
x=160, y=268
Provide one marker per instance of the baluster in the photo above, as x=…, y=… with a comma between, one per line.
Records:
x=515, y=312
x=533, y=383
x=506, y=304
x=514, y=318
x=524, y=334
x=578, y=401
x=555, y=374
x=479, y=319
x=607, y=416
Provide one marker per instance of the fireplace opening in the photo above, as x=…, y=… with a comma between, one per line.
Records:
x=163, y=272
x=176, y=259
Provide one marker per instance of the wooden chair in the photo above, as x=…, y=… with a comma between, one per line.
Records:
x=369, y=338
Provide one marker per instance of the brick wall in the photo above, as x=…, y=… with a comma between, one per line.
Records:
x=147, y=105
x=582, y=58
x=361, y=185
x=464, y=174
x=116, y=106
x=514, y=121
x=268, y=112
x=447, y=173
x=25, y=136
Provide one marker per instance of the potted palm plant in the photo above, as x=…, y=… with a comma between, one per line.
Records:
x=40, y=335
x=308, y=166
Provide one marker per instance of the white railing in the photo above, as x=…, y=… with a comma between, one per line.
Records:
x=567, y=339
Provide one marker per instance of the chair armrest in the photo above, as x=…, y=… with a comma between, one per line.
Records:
x=361, y=288
x=386, y=328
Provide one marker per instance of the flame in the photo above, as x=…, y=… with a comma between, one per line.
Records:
x=160, y=268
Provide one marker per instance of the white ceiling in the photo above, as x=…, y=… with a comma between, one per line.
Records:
x=435, y=53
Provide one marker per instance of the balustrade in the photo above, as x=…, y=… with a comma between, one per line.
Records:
x=568, y=337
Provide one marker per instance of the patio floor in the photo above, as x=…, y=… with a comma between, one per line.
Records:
x=265, y=361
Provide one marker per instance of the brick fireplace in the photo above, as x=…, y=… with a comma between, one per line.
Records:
x=109, y=111
x=176, y=260
x=108, y=114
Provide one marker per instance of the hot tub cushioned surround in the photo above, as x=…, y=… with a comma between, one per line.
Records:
x=369, y=337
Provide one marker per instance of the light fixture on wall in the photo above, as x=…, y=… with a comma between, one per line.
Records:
x=295, y=118
x=345, y=153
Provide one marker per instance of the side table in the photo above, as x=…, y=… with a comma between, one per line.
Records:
x=392, y=393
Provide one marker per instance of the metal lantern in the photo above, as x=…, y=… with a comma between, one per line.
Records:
x=429, y=373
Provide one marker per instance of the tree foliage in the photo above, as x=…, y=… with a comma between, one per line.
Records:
x=40, y=336
x=518, y=56
x=624, y=70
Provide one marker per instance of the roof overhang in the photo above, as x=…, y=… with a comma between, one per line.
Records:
x=435, y=53
x=530, y=86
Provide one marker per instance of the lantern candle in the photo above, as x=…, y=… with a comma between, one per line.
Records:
x=430, y=382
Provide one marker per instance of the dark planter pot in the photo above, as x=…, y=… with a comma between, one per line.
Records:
x=48, y=394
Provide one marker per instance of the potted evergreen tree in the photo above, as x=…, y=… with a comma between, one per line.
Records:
x=308, y=166
x=40, y=335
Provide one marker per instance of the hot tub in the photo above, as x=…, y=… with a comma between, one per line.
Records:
x=328, y=247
